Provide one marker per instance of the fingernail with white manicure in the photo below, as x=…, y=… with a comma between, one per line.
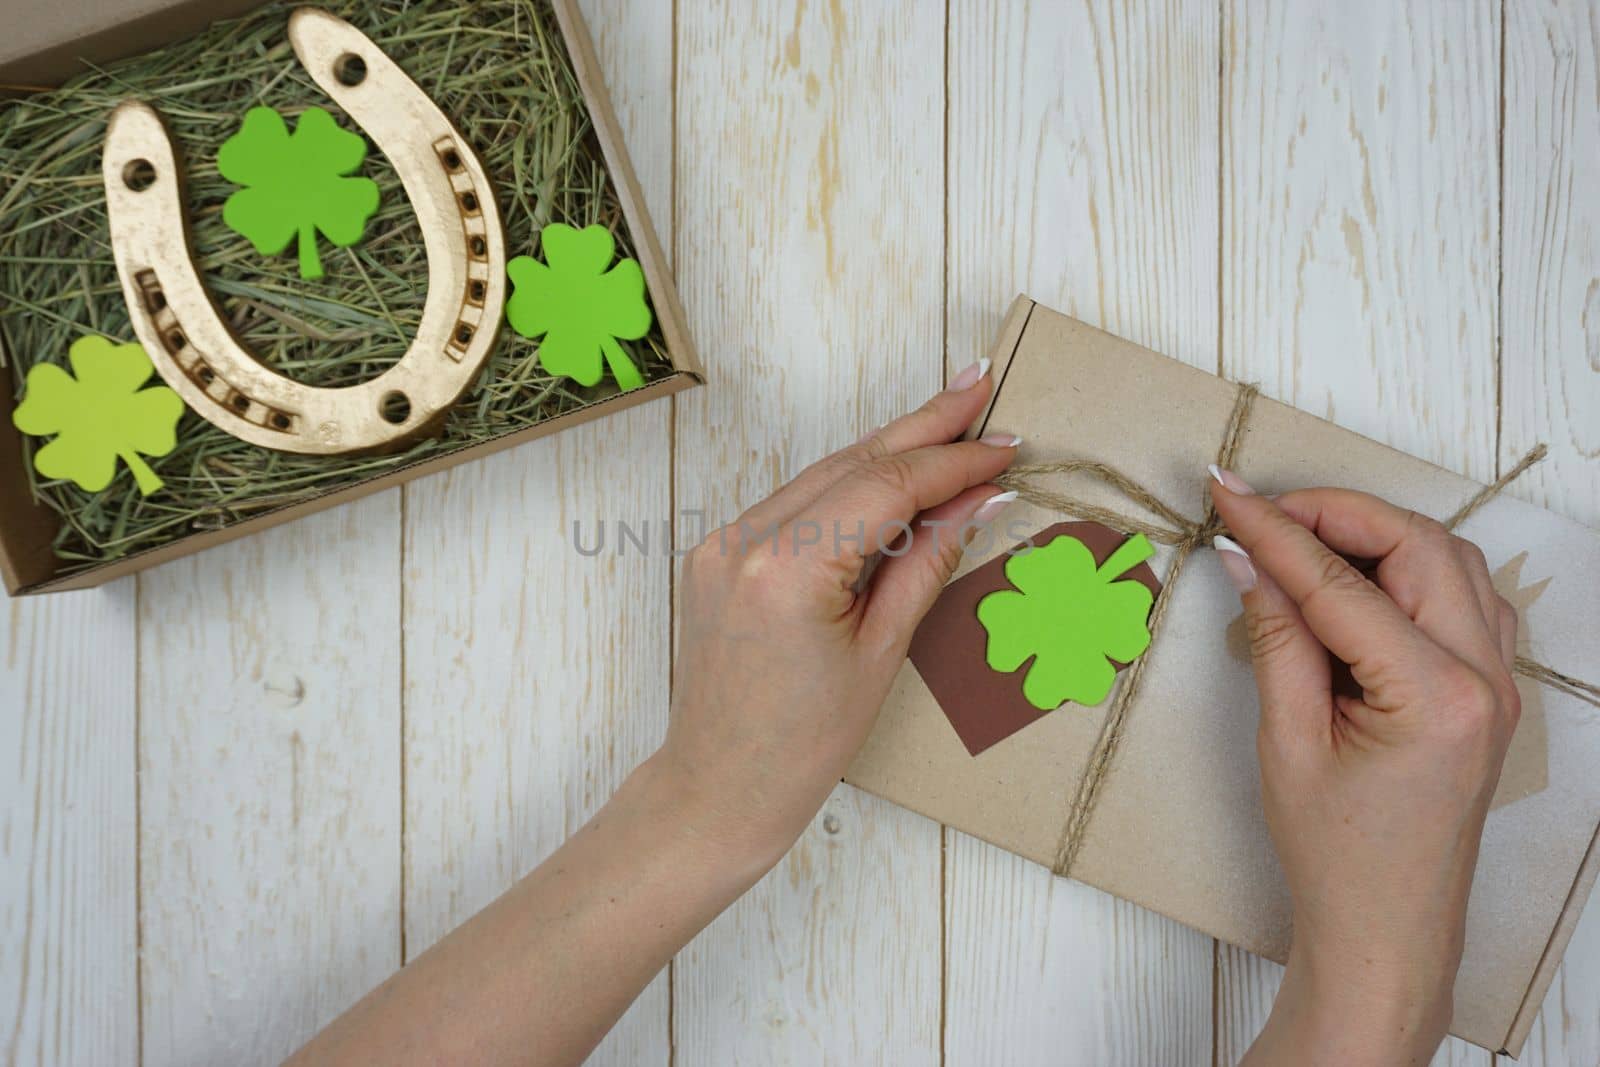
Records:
x=1235, y=563
x=1000, y=440
x=993, y=506
x=969, y=377
x=1230, y=481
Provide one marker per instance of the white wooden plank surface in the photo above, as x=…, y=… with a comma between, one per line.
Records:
x=810, y=251
x=1245, y=987
x=536, y=678
x=1359, y=260
x=529, y=698
x=1361, y=214
x=1550, y=356
x=1360, y=206
x=1083, y=170
x=269, y=785
x=1044, y=970
x=68, y=831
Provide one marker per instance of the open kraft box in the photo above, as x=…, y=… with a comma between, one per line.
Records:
x=1176, y=824
x=51, y=41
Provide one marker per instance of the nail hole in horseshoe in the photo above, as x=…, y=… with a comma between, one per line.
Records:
x=477, y=291
x=280, y=420
x=205, y=374
x=452, y=159
x=480, y=247
x=463, y=334
x=177, y=340
x=350, y=69
x=469, y=203
x=139, y=174
x=240, y=402
x=395, y=407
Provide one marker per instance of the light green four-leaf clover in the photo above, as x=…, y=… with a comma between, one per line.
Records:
x=99, y=413
x=1070, y=617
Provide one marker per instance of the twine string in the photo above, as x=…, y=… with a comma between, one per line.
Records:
x=1185, y=535
x=1489, y=492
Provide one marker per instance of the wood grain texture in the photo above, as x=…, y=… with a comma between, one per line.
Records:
x=1373, y=242
x=536, y=677
x=1360, y=214
x=1550, y=358
x=68, y=831
x=1360, y=253
x=810, y=245
x=1044, y=970
x=1083, y=171
x=1246, y=986
x=269, y=785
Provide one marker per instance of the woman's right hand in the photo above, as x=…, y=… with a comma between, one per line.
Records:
x=1387, y=705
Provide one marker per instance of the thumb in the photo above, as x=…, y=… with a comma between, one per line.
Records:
x=1292, y=670
x=911, y=576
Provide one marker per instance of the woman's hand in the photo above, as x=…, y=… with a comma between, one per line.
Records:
x=1387, y=704
x=785, y=652
x=785, y=655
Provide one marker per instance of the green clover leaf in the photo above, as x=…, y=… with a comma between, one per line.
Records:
x=578, y=306
x=1070, y=617
x=100, y=415
x=295, y=184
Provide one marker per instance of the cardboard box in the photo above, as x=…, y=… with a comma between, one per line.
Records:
x=1177, y=825
x=51, y=41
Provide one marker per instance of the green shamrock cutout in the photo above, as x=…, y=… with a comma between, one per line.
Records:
x=296, y=184
x=578, y=306
x=100, y=415
x=1070, y=617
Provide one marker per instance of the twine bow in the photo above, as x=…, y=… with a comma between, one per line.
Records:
x=1186, y=535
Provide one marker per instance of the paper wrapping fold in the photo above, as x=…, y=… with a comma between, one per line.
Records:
x=1178, y=825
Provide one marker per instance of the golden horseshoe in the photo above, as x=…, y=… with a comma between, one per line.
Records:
x=194, y=350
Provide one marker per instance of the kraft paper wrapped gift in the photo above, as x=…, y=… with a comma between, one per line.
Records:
x=1176, y=824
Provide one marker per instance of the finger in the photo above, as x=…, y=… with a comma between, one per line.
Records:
x=906, y=584
x=1508, y=633
x=941, y=420
x=1420, y=564
x=1499, y=615
x=1352, y=617
x=1292, y=671
x=865, y=510
x=1500, y=618
x=1476, y=568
